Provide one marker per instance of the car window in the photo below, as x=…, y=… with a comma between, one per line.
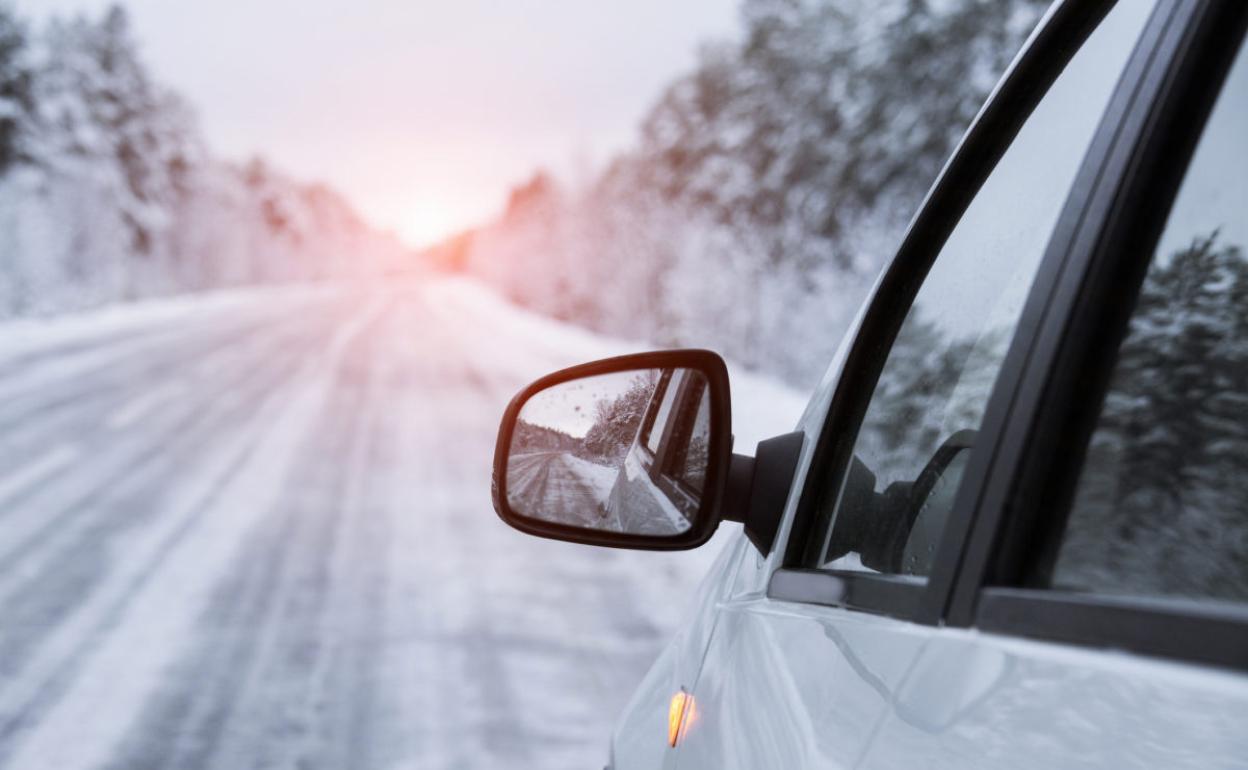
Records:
x=1161, y=505
x=934, y=386
x=690, y=461
x=669, y=385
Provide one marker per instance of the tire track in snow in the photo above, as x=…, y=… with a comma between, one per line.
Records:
x=230, y=512
x=104, y=348
x=247, y=694
x=79, y=560
x=48, y=402
x=57, y=512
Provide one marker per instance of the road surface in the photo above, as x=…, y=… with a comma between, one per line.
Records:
x=253, y=531
x=555, y=486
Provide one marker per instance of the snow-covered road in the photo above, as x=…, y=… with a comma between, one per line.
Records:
x=253, y=530
x=557, y=485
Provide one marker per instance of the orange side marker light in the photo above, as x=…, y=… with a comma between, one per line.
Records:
x=680, y=715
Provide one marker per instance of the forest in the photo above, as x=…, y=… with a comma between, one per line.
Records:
x=109, y=193
x=766, y=188
x=762, y=194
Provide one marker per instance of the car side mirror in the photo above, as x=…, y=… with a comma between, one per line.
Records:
x=630, y=452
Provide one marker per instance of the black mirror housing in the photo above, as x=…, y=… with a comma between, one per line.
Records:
x=702, y=519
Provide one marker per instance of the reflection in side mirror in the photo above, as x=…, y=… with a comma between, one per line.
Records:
x=620, y=456
x=623, y=452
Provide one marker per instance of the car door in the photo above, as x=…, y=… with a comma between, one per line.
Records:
x=1104, y=593
x=815, y=642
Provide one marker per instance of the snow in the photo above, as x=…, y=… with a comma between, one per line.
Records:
x=766, y=187
x=762, y=406
x=109, y=193
x=107, y=697
x=555, y=487
x=24, y=474
x=599, y=478
x=253, y=528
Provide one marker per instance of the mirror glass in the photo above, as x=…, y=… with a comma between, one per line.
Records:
x=623, y=452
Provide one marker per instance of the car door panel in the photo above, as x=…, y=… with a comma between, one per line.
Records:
x=787, y=686
x=989, y=701
x=639, y=739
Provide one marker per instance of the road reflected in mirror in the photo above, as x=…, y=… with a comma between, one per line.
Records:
x=621, y=452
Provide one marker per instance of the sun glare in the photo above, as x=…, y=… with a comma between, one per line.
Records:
x=428, y=223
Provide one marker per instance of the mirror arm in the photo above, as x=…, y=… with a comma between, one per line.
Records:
x=737, y=491
x=758, y=487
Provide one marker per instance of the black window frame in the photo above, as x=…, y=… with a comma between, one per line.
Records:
x=1053, y=45
x=676, y=456
x=660, y=470
x=652, y=412
x=1146, y=143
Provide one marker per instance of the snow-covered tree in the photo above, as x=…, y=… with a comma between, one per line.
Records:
x=617, y=419
x=769, y=184
x=1160, y=504
x=15, y=88
x=107, y=191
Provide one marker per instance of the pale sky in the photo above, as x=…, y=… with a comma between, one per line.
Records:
x=570, y=407
x=423, y=112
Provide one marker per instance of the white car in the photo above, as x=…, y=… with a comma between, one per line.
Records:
x=1011, y=528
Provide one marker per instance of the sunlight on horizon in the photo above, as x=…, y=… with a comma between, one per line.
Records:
x=423, y=114
x=430, y=222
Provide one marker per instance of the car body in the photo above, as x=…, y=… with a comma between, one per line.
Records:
x=1015, y=533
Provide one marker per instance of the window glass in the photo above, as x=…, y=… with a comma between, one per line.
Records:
x=1161, y=507
x=938, y=375
x=671, y=388
x=689, y=467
